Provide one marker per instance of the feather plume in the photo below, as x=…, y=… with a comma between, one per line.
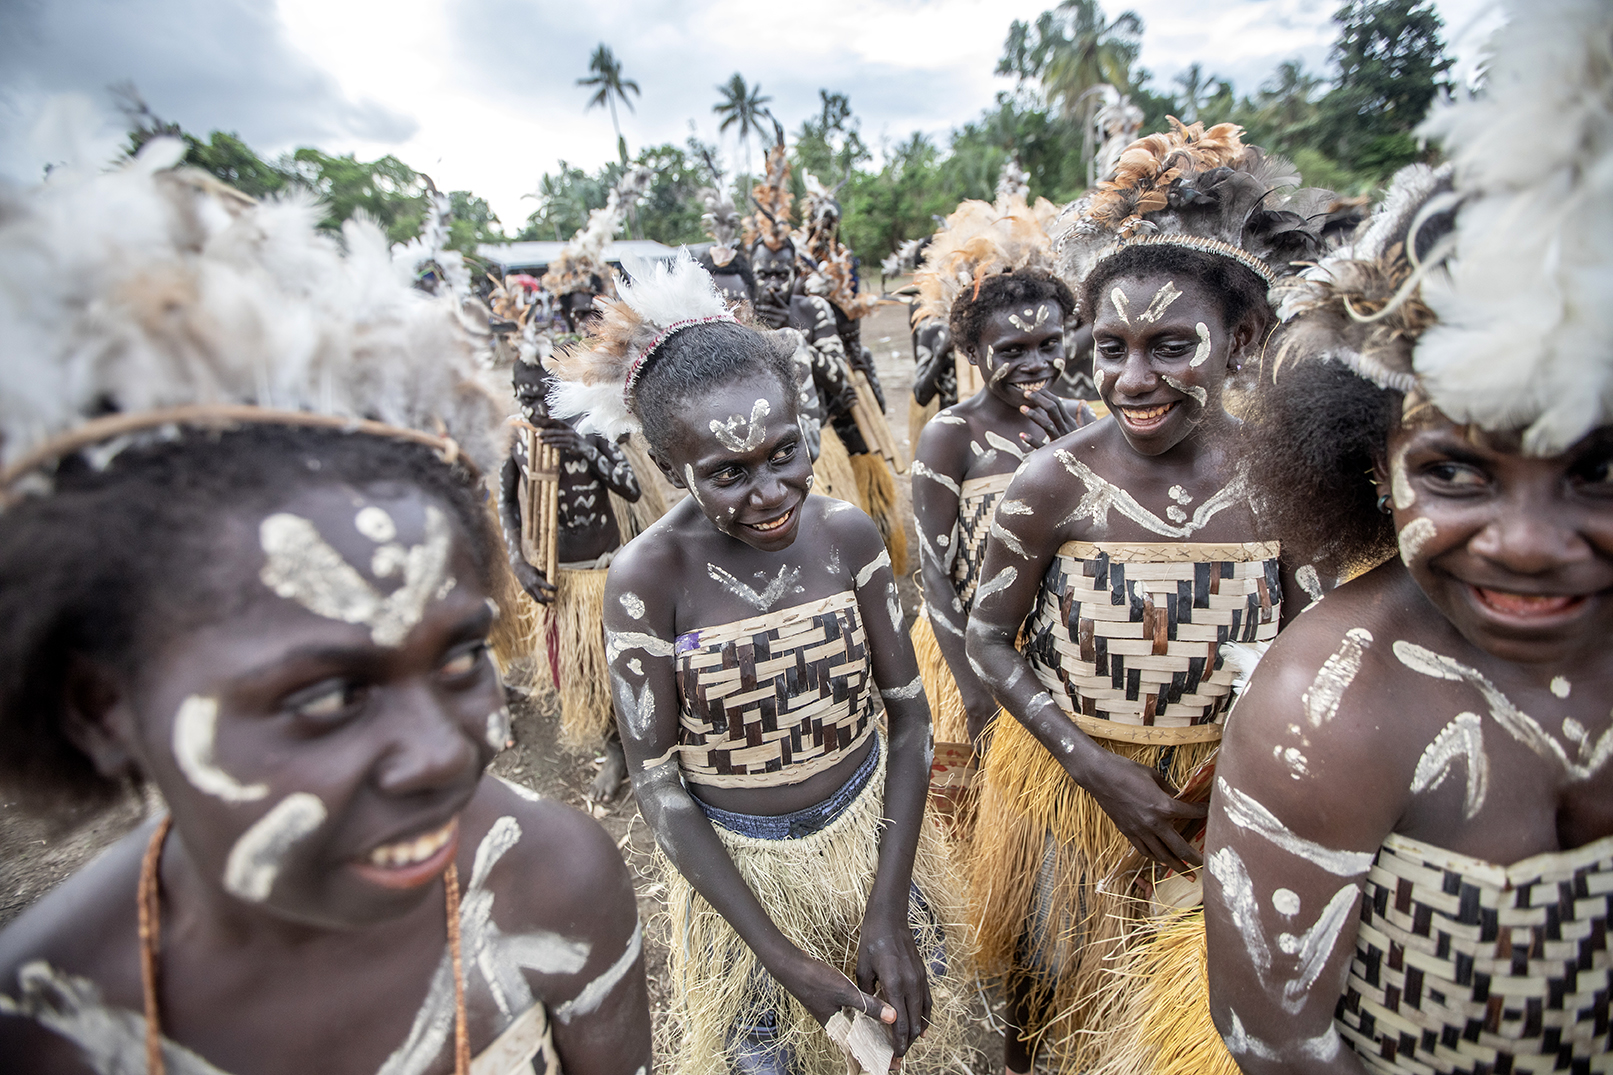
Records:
x=581, y=265
x=149, y=287
x=429, y=250
x=1525, y=333
x=833, y=274
x=770, y=224
x=591, y=377
x=978, y=240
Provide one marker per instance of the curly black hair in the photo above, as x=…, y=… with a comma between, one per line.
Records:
x=1310, y=440
x=696, y=359
x=1001, y=291
x=119, y=558
x=1241, y=289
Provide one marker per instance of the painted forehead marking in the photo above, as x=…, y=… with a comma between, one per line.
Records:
x=301, y=566
x=739, y=434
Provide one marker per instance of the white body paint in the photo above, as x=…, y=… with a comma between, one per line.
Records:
x=739, y=434
x=1286, y=902
x=619, y=642
x=594, y=993
x=195, y=726
x=1413, y=536
x=1460, y=740
x=375, y=524
x=1238, y=894
x=1005, y=578
x=1161, y=302
x=1180, y=495
x=867, y=571
x=1321, y=702
x=1202, y=351
x=1003, y=444
x=1311, y=948
x=1399, y=487
x=1560, y=686
x=1008, y=540
x=254, y=862
x=1015, y=507
x=632, y=604
x=1197, y=392
x=498, y=728
x=911, y=690
x=1589, y=758
x=1101, y=497
x=920, y=470
x=769, y=596
x=300, y=566
x=1309, y=581
x=1244, y=811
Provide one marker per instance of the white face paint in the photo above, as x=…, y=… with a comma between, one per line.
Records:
x=769, y=596
x=195, y=726
x=739, y=434
x=632, y=604
x=1202, y=351
x=1161, y=302
x=1560, y=686
x=1399, y=485
x=254, y=862
x=1197, y=392
x=1413, y=536
x=498, y=728
x=1097, y=380
x=375, y=524
x=492, y=607
x=1460, y=740
x=1321, y=702
x=300, y=566
x=1121, y=303
x=1286, y=902
x=688, y=477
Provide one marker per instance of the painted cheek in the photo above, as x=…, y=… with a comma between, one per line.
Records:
x=257, y=857
x=1399, y=486
x=195, y=730
x=1414, y=537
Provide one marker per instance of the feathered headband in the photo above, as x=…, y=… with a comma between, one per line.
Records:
x=595, y=379
x=145, y=299
x=978, y=240
x=770, y=224
x=1203, y=190
x=834, y=276
x=1486, y=288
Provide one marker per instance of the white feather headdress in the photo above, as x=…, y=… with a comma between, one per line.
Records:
x=594, y=380
x=1525, y=333
x=149, y=288
x=582, y=260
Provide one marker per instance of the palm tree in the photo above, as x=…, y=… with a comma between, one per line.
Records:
x=1076, y=50
x=610, y=85
x=1198, y=91
x=743, y=107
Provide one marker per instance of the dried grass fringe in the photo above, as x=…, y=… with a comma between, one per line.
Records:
x=1026, y=798
x=831, y=473
x=517, y=635
x=1155, y=1017
x=917, y=418
x=877, y=486
x=946, y=704
x=656, y=494
x=816, y=890
x=586, y=711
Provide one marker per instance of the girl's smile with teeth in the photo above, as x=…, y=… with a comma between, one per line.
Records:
x=774, y=524
x=1146, y=416
x=412, y=854
x=1029, y=387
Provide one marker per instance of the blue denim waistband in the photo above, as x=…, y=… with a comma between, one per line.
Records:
x=803, y=822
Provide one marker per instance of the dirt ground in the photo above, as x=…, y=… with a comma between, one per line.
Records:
x=37, y=853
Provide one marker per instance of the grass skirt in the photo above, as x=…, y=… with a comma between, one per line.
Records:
x=815, y=889
x=1156, y=1008
x=831, y=473
x=876, y=484
x=1041, y=845
x=917, y=418
x=576, y=621
x=946, y=704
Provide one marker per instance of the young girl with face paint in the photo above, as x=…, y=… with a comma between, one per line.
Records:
x=277, y=617
x=1412, y=833
x=1124, y=554
x=1013, y=330
x=748, y=632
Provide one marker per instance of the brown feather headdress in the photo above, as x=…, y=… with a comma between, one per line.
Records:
x=770, y=223
x=978, y=240
x=818, y=239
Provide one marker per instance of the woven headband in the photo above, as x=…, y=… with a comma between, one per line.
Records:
x=633, y=371
x=1217, y=247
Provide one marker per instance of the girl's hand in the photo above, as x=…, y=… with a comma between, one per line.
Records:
x=1142, y=806
x=889, y=960
x=532, y=581
x=824, y=990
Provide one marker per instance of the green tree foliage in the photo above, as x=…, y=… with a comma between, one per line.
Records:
x=472, y=222
x=387, y=190
x=670, y=213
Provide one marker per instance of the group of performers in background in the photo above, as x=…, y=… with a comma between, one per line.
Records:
x=1201, y=437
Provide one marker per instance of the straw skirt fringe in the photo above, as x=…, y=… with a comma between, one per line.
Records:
x=831, y=473
x=578, y=615
x=1156, y=1017
x=946, y=704
x=876, y=484
x=1041, y=845
x=917, y=418
x=815, y=889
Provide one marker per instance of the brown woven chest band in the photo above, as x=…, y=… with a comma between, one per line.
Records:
x=774, y=699
x=1465, y=966
x=1130, y=635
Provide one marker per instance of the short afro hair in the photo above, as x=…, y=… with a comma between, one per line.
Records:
x=698, y=359
x=1240, y=289
x=117, y=559
x=1002, y=291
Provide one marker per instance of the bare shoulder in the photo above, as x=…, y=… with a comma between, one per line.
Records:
x=847, y=525
x=649, y=563
x=944, y=444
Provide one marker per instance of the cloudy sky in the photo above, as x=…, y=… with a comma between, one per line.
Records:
x=482, y=94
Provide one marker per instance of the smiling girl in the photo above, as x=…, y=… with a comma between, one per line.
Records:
x=749, y=631
x=1411, y=843
x=242, y=562
x=1124, y=554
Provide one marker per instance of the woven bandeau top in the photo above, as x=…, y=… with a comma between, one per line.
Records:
x=1127, y=636
x=977, y=504
x=1465, y=966
x=776, y=698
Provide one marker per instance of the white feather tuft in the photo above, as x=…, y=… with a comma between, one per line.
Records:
x=669, y=291
x=1525, y=339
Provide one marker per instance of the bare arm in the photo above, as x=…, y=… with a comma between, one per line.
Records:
x=509, y=513
x=1030, y=524
x=639, y=634
x=938, y=469
x=611, y=467
x=887, y=957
